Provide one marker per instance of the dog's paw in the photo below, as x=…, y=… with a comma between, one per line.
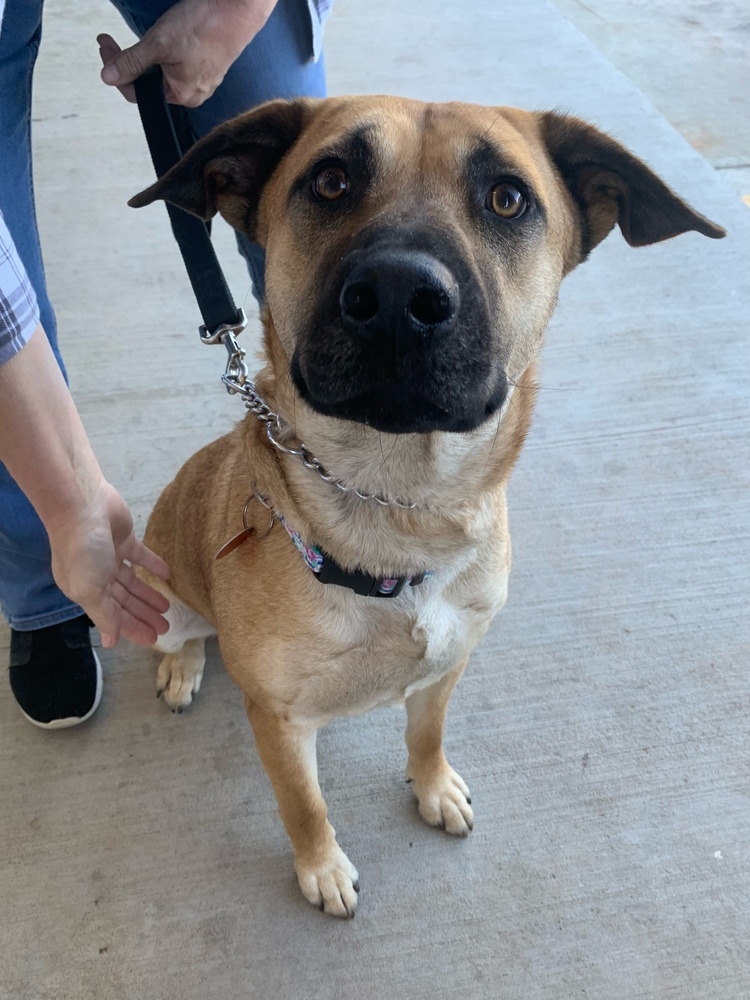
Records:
x=331, y=885
x=444, y=801
x=178, y=679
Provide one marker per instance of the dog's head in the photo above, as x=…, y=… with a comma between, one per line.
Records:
x=414, y=251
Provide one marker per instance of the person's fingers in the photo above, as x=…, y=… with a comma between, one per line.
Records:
x=176, y=90
x=144, y=592
x=139, y=555
x=187, y=89
x=108, y=52
x=128, y=64
x=128, y=616
x=109, y=49
x=139, y=609
x=106, y=618
x=135, y=630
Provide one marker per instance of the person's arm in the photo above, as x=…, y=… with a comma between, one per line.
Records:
x=44, y=447
x=195, y=42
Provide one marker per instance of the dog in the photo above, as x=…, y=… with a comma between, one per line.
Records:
x=414, y=254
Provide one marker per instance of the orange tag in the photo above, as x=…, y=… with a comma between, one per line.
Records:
x=233, y=543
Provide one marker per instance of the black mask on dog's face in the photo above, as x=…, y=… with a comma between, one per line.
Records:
x=400, y=337
x=414, y=251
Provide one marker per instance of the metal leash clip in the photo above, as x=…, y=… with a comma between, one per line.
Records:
x=236, y=372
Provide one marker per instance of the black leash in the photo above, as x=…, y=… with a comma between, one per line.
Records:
x=169, y=137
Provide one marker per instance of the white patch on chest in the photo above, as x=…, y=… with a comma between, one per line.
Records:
x=446, y=629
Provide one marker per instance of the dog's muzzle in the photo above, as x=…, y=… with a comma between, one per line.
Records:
x=402, y=340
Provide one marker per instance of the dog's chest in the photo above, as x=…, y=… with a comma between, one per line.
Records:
x=386, y=648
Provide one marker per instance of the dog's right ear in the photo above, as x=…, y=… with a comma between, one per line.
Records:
x=227, y=169
x=610, y=186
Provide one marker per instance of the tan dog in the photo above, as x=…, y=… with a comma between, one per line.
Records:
x=414, y=254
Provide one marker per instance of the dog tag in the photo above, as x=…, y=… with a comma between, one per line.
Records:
x=234, y=543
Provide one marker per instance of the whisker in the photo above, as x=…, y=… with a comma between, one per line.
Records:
x=546, y=388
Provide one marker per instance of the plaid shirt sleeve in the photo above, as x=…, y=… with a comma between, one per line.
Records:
x=319, y=11
x=19, y=312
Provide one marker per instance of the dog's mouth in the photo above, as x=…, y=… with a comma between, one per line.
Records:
x=395, y=408
x=391, y=409
x=385, y=408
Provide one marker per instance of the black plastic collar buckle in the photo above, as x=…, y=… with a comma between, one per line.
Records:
x=361, y=583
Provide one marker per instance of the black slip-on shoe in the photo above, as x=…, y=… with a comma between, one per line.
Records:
x=55, y=675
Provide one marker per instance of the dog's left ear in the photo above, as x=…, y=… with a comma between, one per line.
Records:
x=610, y=185
x=227, y=169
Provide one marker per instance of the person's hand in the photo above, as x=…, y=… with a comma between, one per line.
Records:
x=195, y=42
x=92, y=555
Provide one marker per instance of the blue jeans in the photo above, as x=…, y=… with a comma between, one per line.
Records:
x=277, y=63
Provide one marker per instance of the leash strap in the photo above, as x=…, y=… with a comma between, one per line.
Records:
x=169, y=136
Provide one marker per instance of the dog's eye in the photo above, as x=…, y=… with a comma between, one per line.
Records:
x=507, y=200
x=331, y=183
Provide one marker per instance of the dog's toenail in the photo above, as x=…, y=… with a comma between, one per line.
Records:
x=180, y=710
x=468, y=799
x=356, y=886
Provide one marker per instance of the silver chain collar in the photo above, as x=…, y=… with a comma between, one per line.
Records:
x=236, y=379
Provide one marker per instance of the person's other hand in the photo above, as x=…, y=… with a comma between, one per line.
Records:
x=195, y=42
x=92, y=557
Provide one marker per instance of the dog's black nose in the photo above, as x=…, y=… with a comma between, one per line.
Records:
x=399, y=297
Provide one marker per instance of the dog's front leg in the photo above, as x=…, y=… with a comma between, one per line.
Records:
x=287, y=748
x=441, y=793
